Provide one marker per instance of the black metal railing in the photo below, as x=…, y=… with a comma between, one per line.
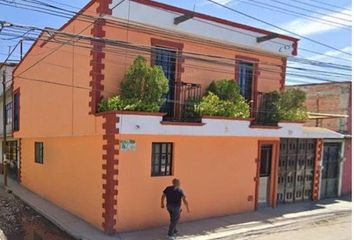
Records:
x=180, y=102
x=265, y=110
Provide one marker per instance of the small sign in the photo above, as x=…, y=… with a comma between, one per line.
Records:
x=127, y=145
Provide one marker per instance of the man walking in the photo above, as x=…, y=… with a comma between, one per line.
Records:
x=174, y=195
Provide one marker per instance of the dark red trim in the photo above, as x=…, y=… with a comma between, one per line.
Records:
x=132, y=113
x=283, y=73
x=98, y=56
x=228, y=118
x=255, y=75
x=182, y=123
x=156, y=42
x=211, y=18
x=317, y=170
x=264, y=127
x=110, y=172
x=292, y=121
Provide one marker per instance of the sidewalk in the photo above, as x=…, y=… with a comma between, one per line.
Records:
x=234, y=226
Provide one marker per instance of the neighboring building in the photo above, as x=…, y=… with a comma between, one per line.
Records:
x=110, y=168
x=11, y=143
x=330, y=106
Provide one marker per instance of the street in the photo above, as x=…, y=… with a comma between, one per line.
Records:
x=18, y=221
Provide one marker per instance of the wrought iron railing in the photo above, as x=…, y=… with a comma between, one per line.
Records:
x=179, y=105
x=264, y=109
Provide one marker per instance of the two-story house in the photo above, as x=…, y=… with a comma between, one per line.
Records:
x=110, y=168
x=10, y=122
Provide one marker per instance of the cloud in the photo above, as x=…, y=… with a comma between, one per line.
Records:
x=333, y=53
x=308, y=27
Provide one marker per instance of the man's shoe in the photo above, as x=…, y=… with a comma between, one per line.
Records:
x=175, y=233
x=171, y=237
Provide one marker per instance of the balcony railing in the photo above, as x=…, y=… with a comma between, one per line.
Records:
x=179, y=105
x=265, y=110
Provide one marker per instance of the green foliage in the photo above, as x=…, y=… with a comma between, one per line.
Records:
x=268, y=109
x=292, y=106
x=145, y=83
x=212, y=105
x=143, y=89
x=288, y=105
x=225, y=90
x=124, y=104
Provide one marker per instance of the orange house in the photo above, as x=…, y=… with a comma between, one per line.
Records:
x=110, y=168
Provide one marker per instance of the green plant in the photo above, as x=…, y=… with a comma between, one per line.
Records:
x=124, y=104
x=291, y=105
x=287, y=105
x=144, y=82
x=268, y=108
x=225, y=90
x=143, y=89
x=212, y=105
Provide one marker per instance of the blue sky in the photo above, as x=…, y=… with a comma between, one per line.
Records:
x=329, y=33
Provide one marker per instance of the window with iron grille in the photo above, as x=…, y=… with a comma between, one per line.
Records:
x=16, y=112
x=8, y=108
x=246, y=79
x=38, y=152
x=161, y=159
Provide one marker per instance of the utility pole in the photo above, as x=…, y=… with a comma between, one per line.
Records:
x=4, y=143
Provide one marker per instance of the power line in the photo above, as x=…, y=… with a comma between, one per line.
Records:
x=88, y=16
x=329, y=4
x=280, y=28
x=322, y=8
x=311, y=17
x=316, y=13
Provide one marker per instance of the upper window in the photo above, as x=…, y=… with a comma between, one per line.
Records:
x=38, y=152
x=161, y=159
x=245, y=79
x=8, y=108
x=16, y=112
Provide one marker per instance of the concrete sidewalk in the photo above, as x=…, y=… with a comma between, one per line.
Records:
x=235, y=226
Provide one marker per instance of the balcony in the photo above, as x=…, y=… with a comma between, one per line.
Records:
x=179, y=105
x=265, y=110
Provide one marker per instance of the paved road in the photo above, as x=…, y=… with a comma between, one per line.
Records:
x=333, y=228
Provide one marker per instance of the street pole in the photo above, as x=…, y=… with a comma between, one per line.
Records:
x=4, y=148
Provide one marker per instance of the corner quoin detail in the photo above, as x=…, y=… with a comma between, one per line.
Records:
x=97, y=55
x=110, y=172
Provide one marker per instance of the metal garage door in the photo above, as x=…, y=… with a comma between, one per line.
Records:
x=295, y=175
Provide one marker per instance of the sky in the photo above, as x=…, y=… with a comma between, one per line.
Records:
x=320, y=24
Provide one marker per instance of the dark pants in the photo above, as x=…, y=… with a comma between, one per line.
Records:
x=175, y=213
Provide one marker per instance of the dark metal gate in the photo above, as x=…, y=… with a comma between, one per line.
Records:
x=330, y=170
x=295, y=173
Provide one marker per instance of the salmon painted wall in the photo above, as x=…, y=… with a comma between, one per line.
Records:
x=217, y=174
x=118, y=60
x=59, y=106
x=71, y=175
